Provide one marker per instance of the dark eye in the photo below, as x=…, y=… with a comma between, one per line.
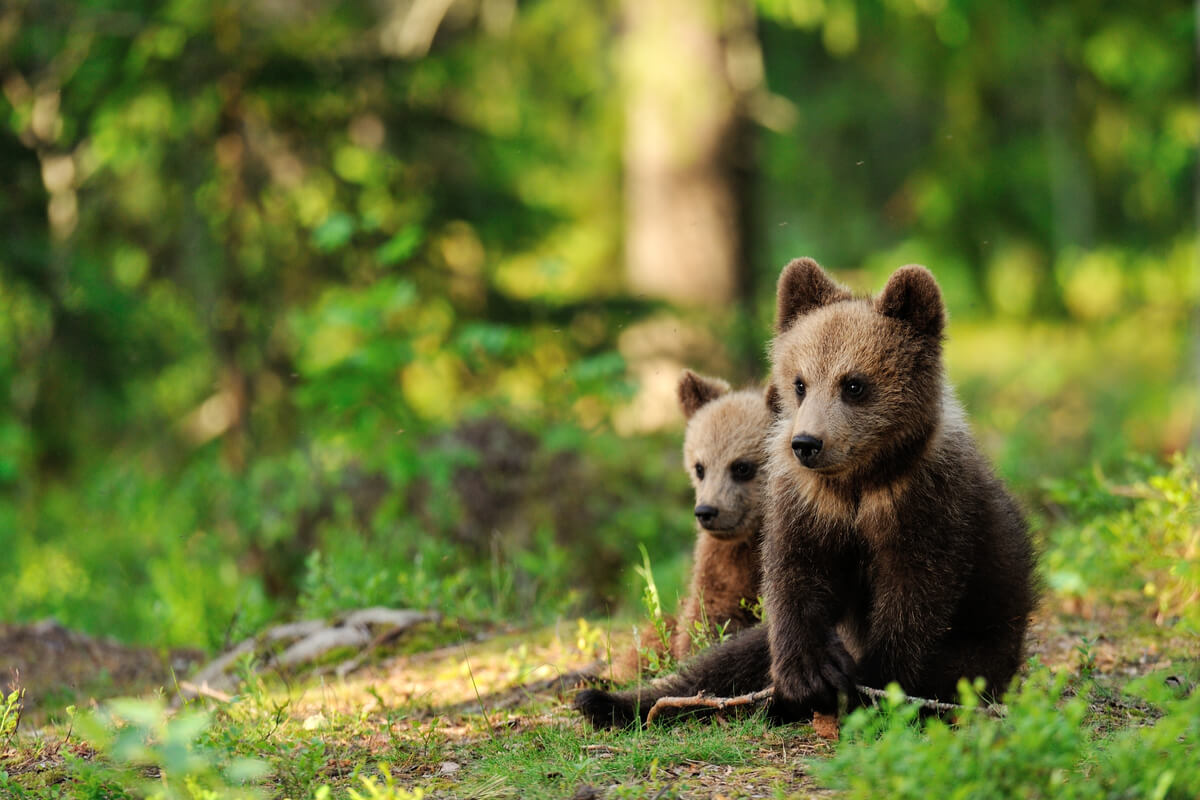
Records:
x=799, y=388
x=853, y=388
x=699, y=470
x=742, y=471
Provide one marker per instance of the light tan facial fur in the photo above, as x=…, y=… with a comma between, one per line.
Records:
x=854, y=375
x=725, y=434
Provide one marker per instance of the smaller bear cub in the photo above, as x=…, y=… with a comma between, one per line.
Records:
x=723, y=454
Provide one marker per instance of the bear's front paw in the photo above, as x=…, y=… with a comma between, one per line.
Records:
x=813, y=679
x=839, y=667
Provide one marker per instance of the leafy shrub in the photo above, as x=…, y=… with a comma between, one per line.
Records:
x=139, y=737
x=1138, y=542
x=1043, y=748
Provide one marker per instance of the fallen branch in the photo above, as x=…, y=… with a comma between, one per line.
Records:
x=704, y=701
x=294, y=644
x=204, y=690
x=825, y=724
x=400, y=622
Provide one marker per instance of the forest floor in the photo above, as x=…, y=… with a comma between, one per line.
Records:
x=449, y=713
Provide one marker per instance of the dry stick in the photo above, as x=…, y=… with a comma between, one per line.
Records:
x=204, y=690
x=703, y=701
x=991, y=709
x=722, y=703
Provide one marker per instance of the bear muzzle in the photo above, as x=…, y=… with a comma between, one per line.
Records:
x=706, y=515
x=717, y=522
x=806, y=448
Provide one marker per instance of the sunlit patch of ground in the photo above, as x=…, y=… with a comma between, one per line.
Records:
x=453, y=675
x=484, y=670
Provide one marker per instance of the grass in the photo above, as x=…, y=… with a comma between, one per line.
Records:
x=407, y=723
x=310, y=738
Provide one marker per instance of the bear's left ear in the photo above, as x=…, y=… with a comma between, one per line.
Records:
x=912, y=295
x=697, y=390
x=803, y=286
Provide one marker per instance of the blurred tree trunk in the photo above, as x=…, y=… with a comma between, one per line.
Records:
x=689, y=68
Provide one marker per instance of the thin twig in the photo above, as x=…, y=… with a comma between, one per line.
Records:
x=991, y=709
x=470, y=672
x=754, y=698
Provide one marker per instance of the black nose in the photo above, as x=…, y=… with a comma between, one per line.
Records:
x=806, y=448
x=706, y=513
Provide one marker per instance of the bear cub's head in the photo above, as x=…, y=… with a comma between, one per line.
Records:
x=856, y=382
x=723, y=454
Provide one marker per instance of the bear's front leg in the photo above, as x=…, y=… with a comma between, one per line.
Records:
x=808, y=674
x=810, y=665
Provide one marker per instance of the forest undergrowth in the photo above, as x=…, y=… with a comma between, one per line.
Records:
x=1106, y=706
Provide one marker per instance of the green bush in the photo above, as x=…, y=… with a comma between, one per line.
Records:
x=1136, y=543
x=139, y=738
x=1042, y=748
x=212, y=555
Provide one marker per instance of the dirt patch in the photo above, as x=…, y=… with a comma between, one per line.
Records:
x=56, y=665
x=1109, y=643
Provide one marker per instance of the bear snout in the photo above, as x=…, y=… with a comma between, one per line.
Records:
x=706, y=515
x=806, y=448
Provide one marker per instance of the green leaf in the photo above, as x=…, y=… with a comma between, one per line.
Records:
x=334, y=232
x=401, y=246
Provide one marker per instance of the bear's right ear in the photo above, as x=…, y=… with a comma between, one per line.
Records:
x=697, y=390
x=912, y=295
x=804, y=286
x=774, y=404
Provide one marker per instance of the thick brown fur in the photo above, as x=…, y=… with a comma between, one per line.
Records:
x=725, y=434
x=891, y=552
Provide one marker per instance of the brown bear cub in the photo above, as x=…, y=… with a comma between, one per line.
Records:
x=723, y=455
x=891, y=551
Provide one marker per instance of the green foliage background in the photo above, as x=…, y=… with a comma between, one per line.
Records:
x=271, y=297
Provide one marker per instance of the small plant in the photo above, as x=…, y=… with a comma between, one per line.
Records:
x=755, y=607
x=140, y=737
x=374, y=790
x=10, y=713
x=651, y=788
x=298, y=765
x=1087, y=659
x=705, y=633
x=887, y=752
x=655, y=654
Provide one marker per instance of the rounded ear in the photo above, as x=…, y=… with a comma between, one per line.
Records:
x=774, y=404
x=912, y=295
x=696, y=390
x=804, y=286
